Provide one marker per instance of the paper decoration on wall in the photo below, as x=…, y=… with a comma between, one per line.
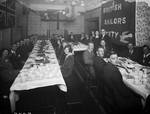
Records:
x=124, y=36
x=142, y=23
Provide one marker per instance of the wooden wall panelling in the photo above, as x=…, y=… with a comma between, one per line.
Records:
x=1, y=40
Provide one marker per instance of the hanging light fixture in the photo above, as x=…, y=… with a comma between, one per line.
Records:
x=78, y=2
x=50, y=0
x=45, y=14
x=82, y=3
x=63, y=12
x=73, y=2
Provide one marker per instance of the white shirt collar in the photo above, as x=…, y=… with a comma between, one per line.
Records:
x=68, y=55
x=146, y=55
x=96, y=36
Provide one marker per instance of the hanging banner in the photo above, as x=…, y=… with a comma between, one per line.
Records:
x=118, y=19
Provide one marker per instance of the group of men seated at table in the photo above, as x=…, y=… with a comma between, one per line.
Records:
x=117, y=97
x=137, y=54
x=11, y=62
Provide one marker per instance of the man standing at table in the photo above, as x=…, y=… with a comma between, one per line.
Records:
x=88, y=57
x=98, y=66
x=71, y=37
x=106, y=38
x=96, y=41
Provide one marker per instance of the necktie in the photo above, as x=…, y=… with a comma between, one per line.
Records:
x=131, y=51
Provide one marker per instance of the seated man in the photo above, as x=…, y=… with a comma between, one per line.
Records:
x=146, y=55
x=98, y=60
x=61, y=53
x=96, y=40
x=58, y=48
x=68, y=64
x=88, y=57
x=66, y=69
x=92, y=35
x=21, y=54
x=119, y=99
x=13, y=56
x=86, y=40
x=106, y=38
x=133, y=53
x=71, y=37
x=7, y=72
x=98, y=66
x=82, y=37
x=105, y=47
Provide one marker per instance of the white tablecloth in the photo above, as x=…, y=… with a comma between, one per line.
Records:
x=80, y=47
x=135, y=76
x=40, y=70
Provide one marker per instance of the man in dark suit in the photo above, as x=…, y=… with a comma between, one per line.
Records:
x=92, y=36
x=71, y=37
x=105, y=47
x=86, y=40
x=146, y=55
x=82, y=37
x=54, y=41
x=133, y=53
x=119, y=99
x=88, y=57
x=67, y=69
x=28, y=45
x=98, y=66
x=96, y=41
x=106, y=38
x=68, y=64
x=61, y=54
x=21, y=53
x=13, y=56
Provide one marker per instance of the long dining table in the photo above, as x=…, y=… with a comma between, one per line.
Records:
x=40, y=70
x=135, y=76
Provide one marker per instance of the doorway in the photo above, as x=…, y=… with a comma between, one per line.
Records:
x=91, y=24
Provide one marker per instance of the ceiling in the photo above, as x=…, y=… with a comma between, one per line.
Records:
x=54, y=2
x=65, y=6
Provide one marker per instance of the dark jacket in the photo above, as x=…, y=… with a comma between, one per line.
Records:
x=67, y=66
x=108, y=41
x=136, y=55
x=61, y=56
x=118, y=97
x=98, y=66
x=7, y=75
x=14, y=59
x=96, y=43
x=99, y=72
x=88, y=57
x=146, y=59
